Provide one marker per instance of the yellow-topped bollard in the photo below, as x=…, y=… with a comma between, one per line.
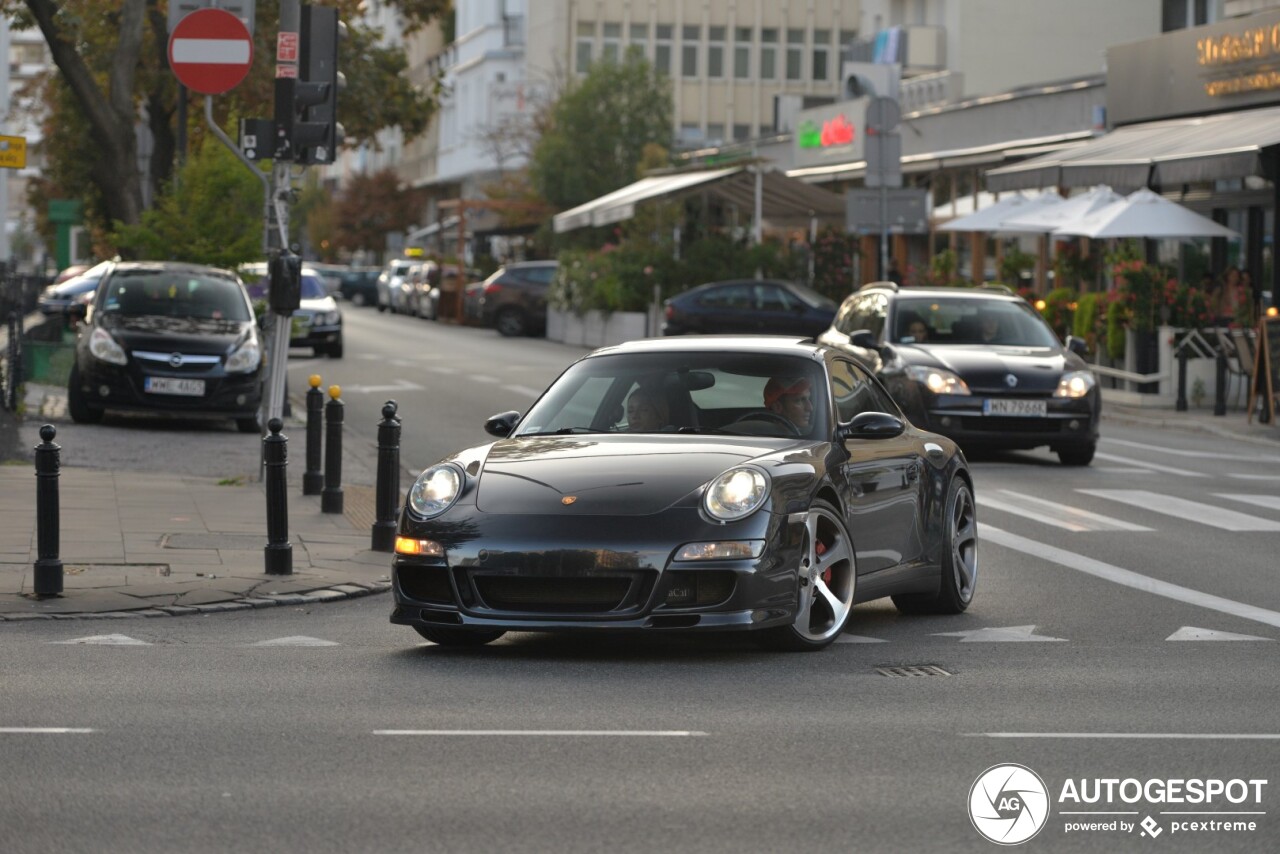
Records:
x=335, y=391
x=313, y=477
x=331, y=495
x=314, y=379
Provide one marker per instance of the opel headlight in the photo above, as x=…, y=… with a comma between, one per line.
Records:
x=246, y=357
x=105, y=348
x=435, y=490
x=332, y=318
x=937, y=380
x=1075, y=384
x=736, y=494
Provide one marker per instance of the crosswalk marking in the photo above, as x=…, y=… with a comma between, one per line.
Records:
x=1054, y=513
x=1255, y=476
x=45, y=730
x=1271, y=502
x=1009, y=634
x=1152, y=466
x=858, y=639
x=295, y=640
x=1191, y=511
x=523, y=389
x=1191, y=633
x=105, y=640
x=1207, y=455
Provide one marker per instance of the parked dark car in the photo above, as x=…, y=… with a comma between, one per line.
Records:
x=359, y=285
x=168, y=337
x=58, y=298
x=720, y=509
x=514, y=298
x=317, y=322
x=766, y=306
x=983, y=367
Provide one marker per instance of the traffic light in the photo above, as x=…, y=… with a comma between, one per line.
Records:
x=316, y=132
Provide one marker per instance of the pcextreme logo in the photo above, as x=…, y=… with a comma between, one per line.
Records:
x=1008, y=804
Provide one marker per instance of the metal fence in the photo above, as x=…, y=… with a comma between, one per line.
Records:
x=18, y=295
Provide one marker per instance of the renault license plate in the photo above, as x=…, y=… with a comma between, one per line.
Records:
x=1022, y=408
x=174, y=385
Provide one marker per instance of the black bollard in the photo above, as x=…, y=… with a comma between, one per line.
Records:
x=1181, y=405
x=48, y=566
x=1220, y=386
x=331, y=496
x=313, y=477
x=278, y=555
x=388, y=492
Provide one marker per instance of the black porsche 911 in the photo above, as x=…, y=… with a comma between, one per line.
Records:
x=706, y=483
x=977, y=364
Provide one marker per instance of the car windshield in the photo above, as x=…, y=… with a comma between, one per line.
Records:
x=683, y=392
x=174, y=293
x=969, y=320
x=313, y=287
x=812, y=297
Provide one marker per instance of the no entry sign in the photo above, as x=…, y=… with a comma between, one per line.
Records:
x=210, y=51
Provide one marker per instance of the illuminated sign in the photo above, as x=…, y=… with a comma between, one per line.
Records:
x=837, y=131
x=831, y=134
x=1243, y=50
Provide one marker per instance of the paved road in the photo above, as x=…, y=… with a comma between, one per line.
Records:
x=1132, y=598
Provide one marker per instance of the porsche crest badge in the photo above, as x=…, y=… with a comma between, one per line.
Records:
x=568, y=499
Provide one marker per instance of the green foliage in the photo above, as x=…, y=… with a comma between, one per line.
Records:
x=1014, y=263
x=1186, y=307
x=1117, y=315
x=371, y=206
x=1059, y=309
x=1142, y=286
x=1085, y=323
x=1073, y=268
x=835, y=254
x=599, y=130
x=212, y=215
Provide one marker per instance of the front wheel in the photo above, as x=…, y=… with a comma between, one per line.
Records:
x=826, y=579
x=959, y=558
x=1077, y=455
x=510, y=323
x=77, y=405
x=459, y=637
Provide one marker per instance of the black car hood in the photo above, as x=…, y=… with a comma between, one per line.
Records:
x=174, y=334
x=1036, y=368
x=606, y=475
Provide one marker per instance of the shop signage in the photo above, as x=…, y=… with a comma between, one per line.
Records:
x=831, y=135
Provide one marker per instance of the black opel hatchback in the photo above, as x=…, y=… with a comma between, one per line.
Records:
x=978, y=365
x=167, y=337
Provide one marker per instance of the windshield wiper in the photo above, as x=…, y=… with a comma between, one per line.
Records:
x=563, y=431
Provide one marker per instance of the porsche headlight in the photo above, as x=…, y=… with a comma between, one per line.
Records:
x=736, y=494
x=937, y=380
x=105, y=348
x=246, y=357
x=1075, y=384
x=435, y=490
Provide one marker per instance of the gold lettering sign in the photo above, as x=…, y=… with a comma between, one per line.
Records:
x=1254, y=43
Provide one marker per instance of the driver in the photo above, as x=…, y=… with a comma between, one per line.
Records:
x=790, y=397
x=646, y=411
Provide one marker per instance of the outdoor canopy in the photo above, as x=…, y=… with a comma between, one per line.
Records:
x=1049, y=218
x=993, y=218
x=1163, y=154
x=1145, y=214
x=782, y=198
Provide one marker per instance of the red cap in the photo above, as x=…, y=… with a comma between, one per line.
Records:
x=777, y=387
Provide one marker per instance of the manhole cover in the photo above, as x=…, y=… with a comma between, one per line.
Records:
x=912, y=670
x=243, y=542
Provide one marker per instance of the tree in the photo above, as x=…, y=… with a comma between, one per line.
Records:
x=599, y=129
x=371, y=206
x=112, y=58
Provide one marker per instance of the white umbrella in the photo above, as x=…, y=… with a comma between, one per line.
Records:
x=992, y=218
x=1050, y=218
x=1145, y=214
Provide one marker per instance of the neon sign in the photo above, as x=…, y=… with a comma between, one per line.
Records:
x=837, y=131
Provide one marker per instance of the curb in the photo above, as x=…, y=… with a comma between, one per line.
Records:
x=348, y=590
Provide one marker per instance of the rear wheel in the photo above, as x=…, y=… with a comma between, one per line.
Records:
x=959, y=559
x=458, y=637
x=357, y=298
x=510, y=323
x=335, y=349
x=77, y=405
x=1077, y=455
x=827, y=578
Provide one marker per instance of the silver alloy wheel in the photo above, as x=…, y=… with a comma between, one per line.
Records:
x=827, y=577
x=962, y=537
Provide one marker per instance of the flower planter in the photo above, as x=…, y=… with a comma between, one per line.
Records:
x=595, y=328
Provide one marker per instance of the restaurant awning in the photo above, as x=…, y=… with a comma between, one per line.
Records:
x=1162, y=154
x=783, y=198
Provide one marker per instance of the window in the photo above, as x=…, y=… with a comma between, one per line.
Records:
x=690, y=134
x=847, y=37
x=689, y=38
x=774, y=298
x=640, y=35
x=715, y=133
x=768, y=54
x=862, y=312
x=821, y=53
x=585, y=43
x=715, y=52
x=662, y=49
x=795, y=54
x=741, y=132
x=612, y=42
x=855, y=392
x=730, y=296
x=742, y=53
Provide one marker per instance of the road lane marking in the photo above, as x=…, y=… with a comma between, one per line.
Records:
x=1207, y=455
x=1122, y=470
x=1271, y=502
x=43, y=730
x=1009, y=634
x=1152, y=466
x=858, y=639
x=1255, y=476
x=1191, y=633
x=105, y=640
x=441, y=369
x=1183, y=736
x=295, y=640
x=1054, y=513
x=399, y=385
x=523, y=389
x=1181, y=508
x=1128, y=578
x=481, y=378
x=554, y=733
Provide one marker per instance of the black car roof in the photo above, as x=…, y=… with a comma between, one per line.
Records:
x=769, y=344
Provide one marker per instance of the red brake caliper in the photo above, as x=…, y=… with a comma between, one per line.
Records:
x=820, y=549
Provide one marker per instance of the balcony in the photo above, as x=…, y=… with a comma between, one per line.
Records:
x=930, y=90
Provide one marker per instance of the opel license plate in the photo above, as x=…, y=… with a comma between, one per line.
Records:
x=174, y=385
x=1023, y=408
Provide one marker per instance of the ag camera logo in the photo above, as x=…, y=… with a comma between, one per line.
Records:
x=1008, y=804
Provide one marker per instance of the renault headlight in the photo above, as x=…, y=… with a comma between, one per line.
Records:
x=1075, y=384
x=937, y=380
x=246, y=357
x=736, y=494
x=435, y=490
x=104, y=348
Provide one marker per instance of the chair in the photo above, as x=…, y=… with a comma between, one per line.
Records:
x=1239, y=348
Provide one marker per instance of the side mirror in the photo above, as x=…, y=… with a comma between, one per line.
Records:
x=871, y=425
x=865, y=339
x=1077, y=346
x=77, y=311
x=502, y=424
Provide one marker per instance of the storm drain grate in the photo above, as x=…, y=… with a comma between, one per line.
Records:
x=912, y=670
